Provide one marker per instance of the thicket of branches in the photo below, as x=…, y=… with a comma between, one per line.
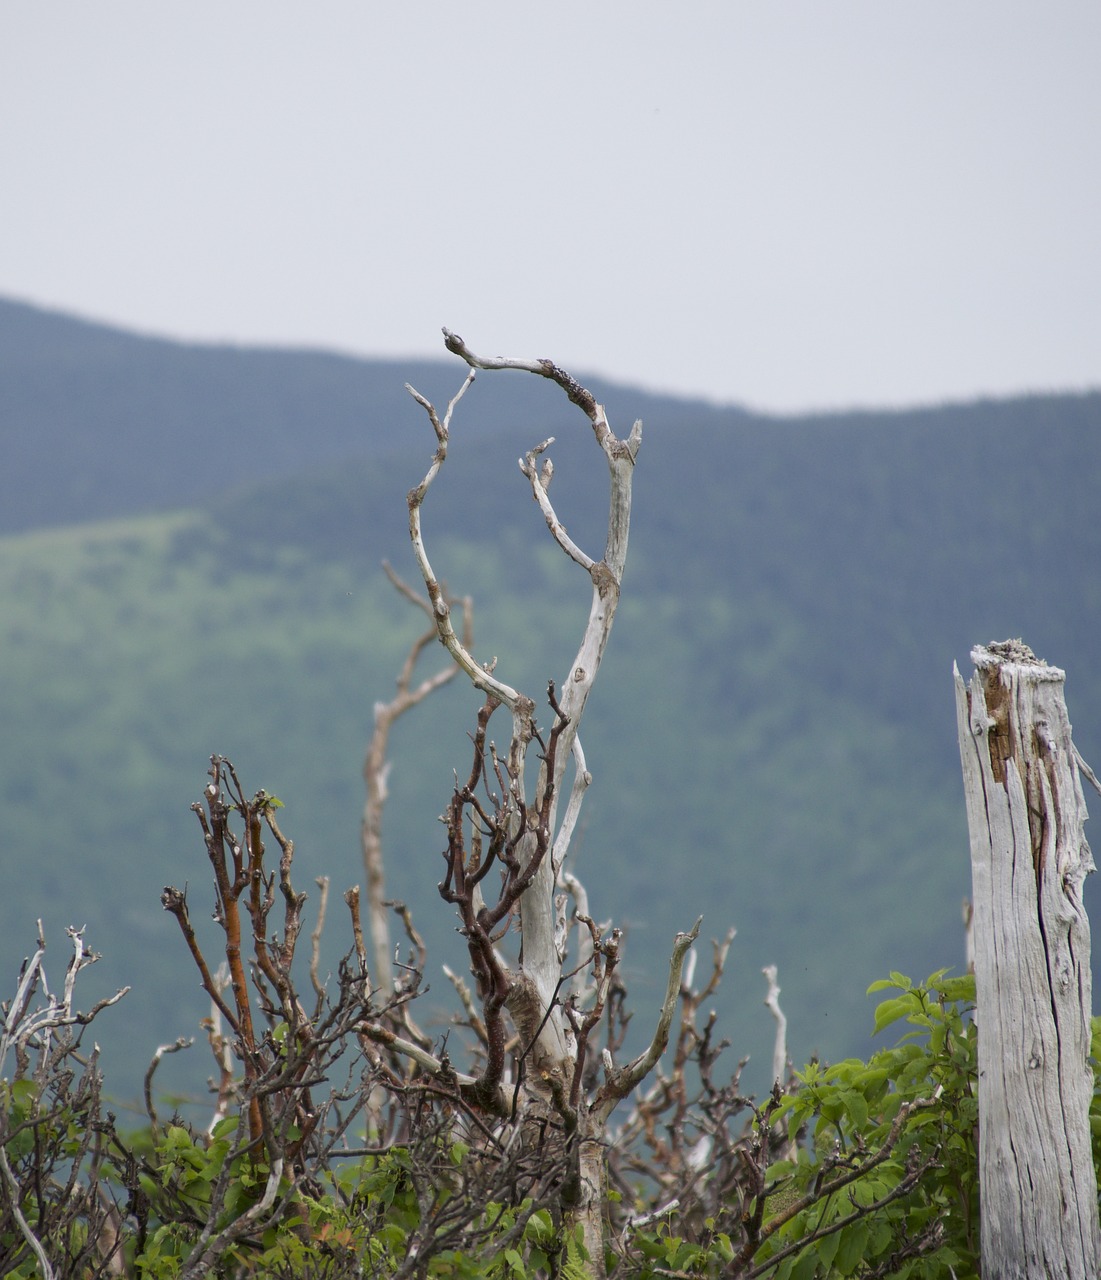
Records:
x=344, y=1140
x=341, y=1142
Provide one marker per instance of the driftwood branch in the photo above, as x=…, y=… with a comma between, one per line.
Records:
x=582, y=780
x=41, y=1030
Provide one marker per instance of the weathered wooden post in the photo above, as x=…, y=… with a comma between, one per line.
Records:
x=1029, y=858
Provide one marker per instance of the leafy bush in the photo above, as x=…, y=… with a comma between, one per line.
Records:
x=875, y=1171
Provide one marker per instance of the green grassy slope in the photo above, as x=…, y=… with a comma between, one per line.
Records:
x=128, y=661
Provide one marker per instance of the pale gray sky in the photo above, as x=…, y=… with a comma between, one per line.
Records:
x=787, y=204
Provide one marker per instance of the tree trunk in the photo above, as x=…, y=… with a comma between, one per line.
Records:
x=1029, y=858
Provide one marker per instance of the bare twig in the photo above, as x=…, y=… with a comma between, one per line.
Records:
x=182, y=1042
x=322, y=883
x=13, y=1194
x=1087, y=771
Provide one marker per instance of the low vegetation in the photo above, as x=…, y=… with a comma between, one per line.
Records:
x=325, y=1153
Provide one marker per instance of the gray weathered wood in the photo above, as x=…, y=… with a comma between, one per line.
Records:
x=1029, y=858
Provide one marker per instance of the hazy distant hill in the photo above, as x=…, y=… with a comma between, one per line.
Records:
x=772, y=741
x=97, y=422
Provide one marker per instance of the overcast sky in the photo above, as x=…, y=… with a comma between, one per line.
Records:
x=784, y=204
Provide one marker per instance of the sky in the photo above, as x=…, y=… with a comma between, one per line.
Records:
x=789, y=204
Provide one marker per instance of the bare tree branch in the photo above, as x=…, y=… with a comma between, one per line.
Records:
x=376, y=767
x=620, y=1081
x=540, y=481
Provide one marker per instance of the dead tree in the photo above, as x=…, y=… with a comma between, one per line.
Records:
x=1029, y=858
x=494, y=821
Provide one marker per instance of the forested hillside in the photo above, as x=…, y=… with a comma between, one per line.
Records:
x=192, y=567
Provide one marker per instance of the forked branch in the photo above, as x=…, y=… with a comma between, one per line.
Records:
x=541, y=948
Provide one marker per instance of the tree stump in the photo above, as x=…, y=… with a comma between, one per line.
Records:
x=1029, y=858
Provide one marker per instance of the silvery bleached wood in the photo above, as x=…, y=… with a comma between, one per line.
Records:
x=1029, y=858
x=541, y=960
x=780, y=1045
x=550, y=1033
x=532, y=996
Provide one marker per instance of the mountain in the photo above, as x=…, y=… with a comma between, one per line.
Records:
x=97, y=422
x=772, y=739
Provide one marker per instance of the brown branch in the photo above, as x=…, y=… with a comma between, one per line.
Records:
x=174, y=901
x=605, y=958
x=293, y=902
x=351, y=897
x=218, y=839
x=322, y=883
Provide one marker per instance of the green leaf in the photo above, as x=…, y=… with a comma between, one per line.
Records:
x=872, y=1079
x=890, y=1011
x=880, y=1235
x=851, y=1248
x=24, y=1092
x=515, y=1262
x=961, y=990
x=826, y=1248
x=843, y=1072
x=176, y=1138
x=805, y=1268
x=723, y=1247
x=539, y=1228
x=857, y=1107
x=225, y=1127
